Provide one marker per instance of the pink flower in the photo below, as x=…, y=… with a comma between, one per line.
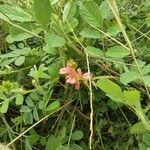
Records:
x=83, y=76
x=70, y=72
x=73, y=76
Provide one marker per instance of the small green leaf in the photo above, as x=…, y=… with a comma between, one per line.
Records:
x=25, y=109
x=77, y=135
x=53, y=106
x=146, y=69
x=69, y=11
x=138, y=128
x=147, y=80
x=90, y=33
x=94, y=52
x=4, y=107
x=52, y=143
x=34, y=96
x=19, y=99
x=42, y=10
x=27, y=118
x=41, y=104
x=19, y=35
x=114, y=30
x=146, y=138
x=111, y=89
x=19, y=61
x=129, y=76
x=132, y=98
x=90, y=12
x=35, y=114
x=105, y=10
x=27, y=145
x=75, y=147
x=61, y=147
x=117, y=52
x=53, y=70
x=72, y=23
x=54, y=40
x=33, y=138
x=29, y=102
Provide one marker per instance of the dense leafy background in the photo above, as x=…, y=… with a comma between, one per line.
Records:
x=39, y=110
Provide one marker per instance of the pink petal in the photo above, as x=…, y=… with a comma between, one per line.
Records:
x=86, y=76
x=70, y=79
x=77, y=85
x=63, y=70
x=79, y=71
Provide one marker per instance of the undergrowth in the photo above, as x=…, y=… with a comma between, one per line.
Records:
x=75, y=74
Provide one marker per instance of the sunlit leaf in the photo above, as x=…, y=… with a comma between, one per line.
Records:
x=111, y=89
x=4, y=106
x=42, y=10
x=117, y=52
x=90, y=12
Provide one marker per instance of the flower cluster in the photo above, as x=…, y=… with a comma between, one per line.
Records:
x=74, y=77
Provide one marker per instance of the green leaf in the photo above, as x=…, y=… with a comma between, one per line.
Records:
x=54, y=40
x=50, y=50
x=117, y=52
x=27, y=145
x=19, y=61
x=35, y=114
x=114, y=30
x=141, y=64
x=19, y=35
x=90, y=12
x=142, y=146
x=69, y=11
x=27, y=118
x=75, y=147
x=52, y=143
x=90, y=33
x=29, y=102
x=3, y=17
x=129, y=76
x=77, y=135
x=72, y=23
x=105, y=10
x=111, y=89
x=138, y=128
x=61, y=147
x=147, y=80
x=42, y=10
x=146, y=69
x=94, y=52
x=53, y=70
x=4, y=107
x=33, y=138
x=15, y=13
x=132, y=98
x=146, y=138
x=19, y=99
x=53, y=106
x=34, y=96
x=25, y=109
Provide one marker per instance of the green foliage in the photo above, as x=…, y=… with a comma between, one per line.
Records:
x=117, y=52
x=39, y=105
x=111, y=89
x=42, y=9
x=91, y=14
